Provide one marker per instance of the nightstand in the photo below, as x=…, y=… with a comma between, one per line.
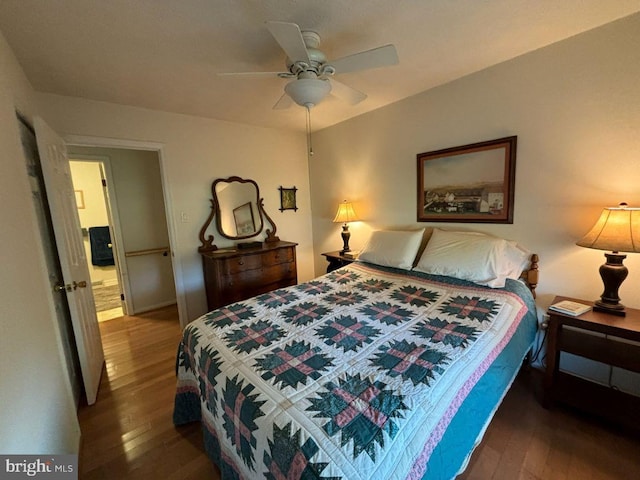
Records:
x=336, y=260
x=579, y=340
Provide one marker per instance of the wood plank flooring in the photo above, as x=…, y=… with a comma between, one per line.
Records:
x=129, y=434
x=525, y=441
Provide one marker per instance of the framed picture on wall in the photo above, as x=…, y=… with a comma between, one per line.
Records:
x=288, y=199
x=471, y=183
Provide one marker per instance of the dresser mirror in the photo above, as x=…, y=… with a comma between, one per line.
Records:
x=237, y=215
x=238, y=210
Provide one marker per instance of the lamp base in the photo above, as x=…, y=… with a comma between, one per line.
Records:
x=345, y=239
x=613, y=273
x=619, y=310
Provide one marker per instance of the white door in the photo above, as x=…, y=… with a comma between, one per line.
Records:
x=66, y=226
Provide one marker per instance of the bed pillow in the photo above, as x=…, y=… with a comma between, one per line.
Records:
x=473, y=256
x=516, y=259
x=392, y=248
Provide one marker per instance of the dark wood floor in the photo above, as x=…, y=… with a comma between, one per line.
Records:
x=129, y=433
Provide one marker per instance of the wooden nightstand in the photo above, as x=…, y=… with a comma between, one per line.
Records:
x=589, y=396
x=336, y=260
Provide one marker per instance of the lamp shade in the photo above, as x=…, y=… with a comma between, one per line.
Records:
x=617, y=230
x=345, y=213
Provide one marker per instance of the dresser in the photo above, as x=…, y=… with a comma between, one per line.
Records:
x=231, y=275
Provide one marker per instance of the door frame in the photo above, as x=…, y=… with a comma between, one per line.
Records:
x=111, y=203
x=92, y=141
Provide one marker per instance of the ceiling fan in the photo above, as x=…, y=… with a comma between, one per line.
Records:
x=311, y=73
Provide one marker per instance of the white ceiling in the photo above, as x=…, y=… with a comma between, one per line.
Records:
x=165, y=54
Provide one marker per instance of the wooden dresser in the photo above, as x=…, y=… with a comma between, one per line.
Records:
x=231, y=275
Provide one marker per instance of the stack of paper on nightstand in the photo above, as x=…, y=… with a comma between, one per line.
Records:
x=570, y=308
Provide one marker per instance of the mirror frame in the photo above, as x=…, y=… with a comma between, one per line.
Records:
x=214, y=195
x=207, y=244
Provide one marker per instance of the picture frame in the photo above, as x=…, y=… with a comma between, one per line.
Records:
x=288, y=199
x=472, y=183
x=244, y=219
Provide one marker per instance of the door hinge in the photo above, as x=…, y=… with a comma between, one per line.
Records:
x=104, y=182
x=122, y=297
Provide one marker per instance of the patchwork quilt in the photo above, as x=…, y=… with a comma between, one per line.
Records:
x=354, y=375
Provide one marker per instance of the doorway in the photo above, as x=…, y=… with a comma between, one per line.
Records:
x=128, y=185
x=70, y=252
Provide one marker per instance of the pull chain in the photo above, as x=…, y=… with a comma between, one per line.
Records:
x=309, y=145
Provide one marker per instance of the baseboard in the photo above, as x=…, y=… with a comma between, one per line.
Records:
x=149, y=308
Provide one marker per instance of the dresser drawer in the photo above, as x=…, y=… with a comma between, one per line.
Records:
x=276, y=257
x=249, y=279
x=232, y=266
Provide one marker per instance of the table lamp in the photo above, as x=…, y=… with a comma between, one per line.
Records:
x=345, y=214
x=618, y=230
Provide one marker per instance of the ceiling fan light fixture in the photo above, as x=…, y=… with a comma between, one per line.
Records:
x=308, y=92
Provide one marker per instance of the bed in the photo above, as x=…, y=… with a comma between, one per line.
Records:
x=379, y=370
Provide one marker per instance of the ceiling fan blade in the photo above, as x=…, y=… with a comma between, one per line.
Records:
x=252, y=74
x=374, y=58
x=346, y=93
x=289, y=37
x=284, y=102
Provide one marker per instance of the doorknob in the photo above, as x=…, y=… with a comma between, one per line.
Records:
x=60, y=287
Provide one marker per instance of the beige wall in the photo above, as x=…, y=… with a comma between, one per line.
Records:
x=38, y=411
x=575, y=109
x=194, y=152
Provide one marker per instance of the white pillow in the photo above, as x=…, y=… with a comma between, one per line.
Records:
x=473, y=256
x=516, y=259
x=392, y=248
